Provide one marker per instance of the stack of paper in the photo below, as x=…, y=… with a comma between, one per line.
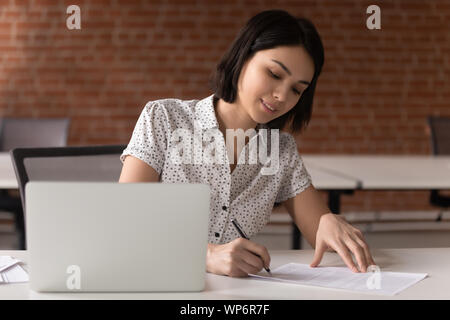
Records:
x=384, y=283
x=11, y=271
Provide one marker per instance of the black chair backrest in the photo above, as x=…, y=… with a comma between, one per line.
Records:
x=440, y=135
x=84, y=163
x=440, y=145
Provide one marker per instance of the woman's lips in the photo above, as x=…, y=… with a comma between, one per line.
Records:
x=267, y=108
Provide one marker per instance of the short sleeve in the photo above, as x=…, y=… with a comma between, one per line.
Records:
x=295, y=178
x=150, y=135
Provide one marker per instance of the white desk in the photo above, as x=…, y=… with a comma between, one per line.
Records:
x=324, y=180
x=381, y=172
x=342, y=172
x=7, y=176
x=435, y=262
x=321, y=178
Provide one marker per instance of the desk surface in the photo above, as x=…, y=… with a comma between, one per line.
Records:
x=7, y=175
x=377, y=172
x=434, y=261
x=321, y=178
x=382, y=172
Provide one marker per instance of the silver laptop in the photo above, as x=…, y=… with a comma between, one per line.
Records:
x=108, y=236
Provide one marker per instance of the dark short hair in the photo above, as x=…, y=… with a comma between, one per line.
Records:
x=266, y=30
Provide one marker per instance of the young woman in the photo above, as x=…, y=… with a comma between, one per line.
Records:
x=264, y=82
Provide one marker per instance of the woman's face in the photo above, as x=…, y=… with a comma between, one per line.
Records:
x=274, y=79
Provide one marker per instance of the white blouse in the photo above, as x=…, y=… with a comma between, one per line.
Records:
x=248, y=193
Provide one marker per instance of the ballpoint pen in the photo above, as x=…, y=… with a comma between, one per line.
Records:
x=243, y=235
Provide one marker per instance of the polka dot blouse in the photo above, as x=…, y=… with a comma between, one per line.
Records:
x=246, y=194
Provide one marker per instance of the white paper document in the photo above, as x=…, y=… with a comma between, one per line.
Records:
x=11, y=271
x=383, y=283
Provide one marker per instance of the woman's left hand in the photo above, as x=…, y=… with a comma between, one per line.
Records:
x=337, y=234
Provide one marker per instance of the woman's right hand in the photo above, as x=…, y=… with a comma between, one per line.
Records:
x=237, y=258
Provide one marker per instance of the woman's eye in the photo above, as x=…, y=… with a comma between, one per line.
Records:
x=277, y=77
x=274, y=75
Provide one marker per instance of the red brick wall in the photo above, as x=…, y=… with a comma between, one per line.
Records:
x=375, y=92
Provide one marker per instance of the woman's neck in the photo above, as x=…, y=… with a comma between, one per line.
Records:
x=232, y=116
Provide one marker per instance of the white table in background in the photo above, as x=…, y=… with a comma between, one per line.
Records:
x=384, y=173
x=387, y=172
x=340, y=172
x=7, y=176
x=380, y=173
x=321, y=179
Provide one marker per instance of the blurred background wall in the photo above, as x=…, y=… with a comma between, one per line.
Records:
x=373, y=97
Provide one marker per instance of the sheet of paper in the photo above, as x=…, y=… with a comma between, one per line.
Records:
x=7, y=262
x=11, y=271
x=15, y=274
x=383, y=283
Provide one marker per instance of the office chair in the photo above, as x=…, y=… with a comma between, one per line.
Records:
x=85, y=163
x=440, y=144
x=33, y=132
x=28, y=132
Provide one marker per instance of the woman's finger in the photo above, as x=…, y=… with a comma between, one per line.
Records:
x=246, y=268
x=363, y=243
x=358, y=252
x=342, y=250
x=321, y=247
x=259, y=251
x=251, y=259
